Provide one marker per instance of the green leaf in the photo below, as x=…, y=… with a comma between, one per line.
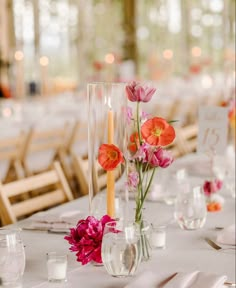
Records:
x=173, y=121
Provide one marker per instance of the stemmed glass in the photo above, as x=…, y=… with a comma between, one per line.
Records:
x=12, y=256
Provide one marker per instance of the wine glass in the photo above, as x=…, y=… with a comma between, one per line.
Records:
x=12, y=256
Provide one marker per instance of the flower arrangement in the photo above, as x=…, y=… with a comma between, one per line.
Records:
x=86, y=239
x=148, y=136
x=214, y=201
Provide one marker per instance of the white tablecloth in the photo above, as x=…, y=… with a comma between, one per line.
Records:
x=186, y=250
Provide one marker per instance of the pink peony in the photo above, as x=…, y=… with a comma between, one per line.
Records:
x=138, y=93
x=86, y=239
x=210, y=187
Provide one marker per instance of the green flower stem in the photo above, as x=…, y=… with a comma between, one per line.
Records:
x=150, y=182
x=138, y=124
x=138, y=214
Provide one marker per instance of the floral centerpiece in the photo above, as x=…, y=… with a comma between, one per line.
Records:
x=214, y=201
x=148, y=136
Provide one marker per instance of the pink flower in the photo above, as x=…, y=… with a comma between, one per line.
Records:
x=138, y=93
x=145, y=115
x=129, y=114
x=219, y=184
x=133, y=179
x=210, y=187
x=86, y=239
x=164, y=157
x=156, y=157
x=142, y=153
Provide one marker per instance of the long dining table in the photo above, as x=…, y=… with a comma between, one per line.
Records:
x=186, y=250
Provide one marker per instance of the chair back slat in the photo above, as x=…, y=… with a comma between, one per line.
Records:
x=187, y=139
x=39, y=203
x=31, y=183
x=54, y=190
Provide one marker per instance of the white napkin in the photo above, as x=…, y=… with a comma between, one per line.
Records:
x=55, y=220
x=227, y=236
x=194, y=279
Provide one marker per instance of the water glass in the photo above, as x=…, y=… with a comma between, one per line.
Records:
x=229, y=183
x=121, y=248
x=12, y=257
x=158, y=236
x=219, y=167
x=190, y=209
x=57, y=267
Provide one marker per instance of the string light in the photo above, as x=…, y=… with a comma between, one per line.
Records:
x=19, y=55
x=109, y=58
x=196, y=51
x=44, y=61
x=167, y=54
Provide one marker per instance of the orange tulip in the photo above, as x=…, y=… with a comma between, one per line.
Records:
x=157, y=132
x=109, y=156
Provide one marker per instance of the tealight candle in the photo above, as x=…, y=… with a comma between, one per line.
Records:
x=57, y=267
x=158, y=238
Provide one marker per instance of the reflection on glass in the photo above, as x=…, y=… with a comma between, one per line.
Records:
x=12, y=257
x=120, y=249
x=190, y=209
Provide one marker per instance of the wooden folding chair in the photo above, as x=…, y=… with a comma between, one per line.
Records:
x=173, y=147
x=43, y=141
x=58, y=192
x=11, y=150
x=187, y=139
x=99, y=175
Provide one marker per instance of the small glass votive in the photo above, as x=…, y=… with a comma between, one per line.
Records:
x=158, y=237
x=57, y=267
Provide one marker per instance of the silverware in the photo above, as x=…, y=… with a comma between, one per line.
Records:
x=229, y=284
x=216, y=246
x=219, y=228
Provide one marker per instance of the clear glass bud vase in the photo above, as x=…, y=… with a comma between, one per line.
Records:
x=107, y=106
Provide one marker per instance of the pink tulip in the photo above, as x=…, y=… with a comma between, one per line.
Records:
x=164, y=157
x=138, y=93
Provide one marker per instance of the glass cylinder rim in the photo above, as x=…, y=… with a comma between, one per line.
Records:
x=130, y=223
x=105, y=83
x=56, y=254
x=9, y=230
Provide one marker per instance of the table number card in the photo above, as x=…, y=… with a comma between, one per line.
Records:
x=213, y=128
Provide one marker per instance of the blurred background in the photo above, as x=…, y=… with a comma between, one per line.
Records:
x=51, y=46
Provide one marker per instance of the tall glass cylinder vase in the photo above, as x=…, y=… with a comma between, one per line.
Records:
x=107, y=104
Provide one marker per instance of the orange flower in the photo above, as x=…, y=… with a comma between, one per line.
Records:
x=158, y=132
x=109, y=156
x=134, y=142
x=214, y=207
